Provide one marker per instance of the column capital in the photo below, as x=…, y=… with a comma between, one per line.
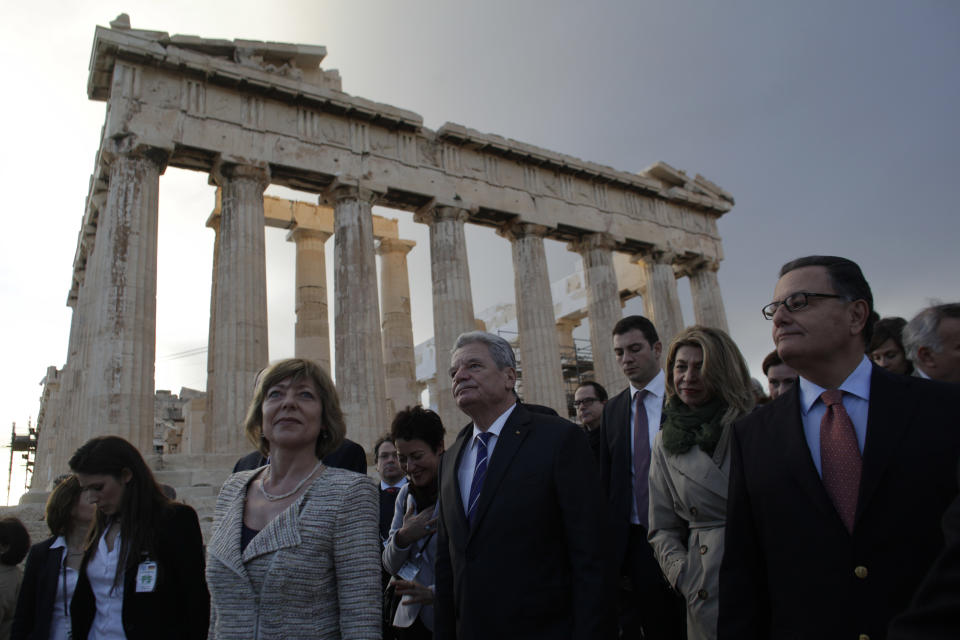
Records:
x=394, y=245
x=437, y=213
x=691, y=267
x=127, y=145
x=340, y=190
x=224, y=170
x=518, y=230
x=593, y=241
x=658, y=255
x=304, y=233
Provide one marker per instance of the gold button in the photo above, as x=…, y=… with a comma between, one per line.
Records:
x=703, y=549
x=860, y=572
x=863, y=636
x=702, y=594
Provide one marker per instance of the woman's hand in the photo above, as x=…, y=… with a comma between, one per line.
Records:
x=415, y=526
x=413, y=592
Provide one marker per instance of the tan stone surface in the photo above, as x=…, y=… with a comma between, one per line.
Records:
x=312, y=330
x=400, y=370
x=662, y=302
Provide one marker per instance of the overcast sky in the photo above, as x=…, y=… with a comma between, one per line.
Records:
x=833, y=124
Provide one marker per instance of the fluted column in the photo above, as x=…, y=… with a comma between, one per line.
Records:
x=122, y=278
x=357, y=338
x=208, y=442
x=400, y=364
x=452, y=301
x=312, y=332
x=240, y=347
x=603, y=305
x=661, y=300
x=539, y=348
x=707, y=302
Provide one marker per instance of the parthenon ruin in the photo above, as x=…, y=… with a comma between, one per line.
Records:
x=250, y=114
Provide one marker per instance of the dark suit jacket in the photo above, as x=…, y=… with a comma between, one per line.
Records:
x=349, y=456
x=179, y=606
x=935, y=611
x=37, y=592
x=531, y=565
x=790, y=568
x=616, y=469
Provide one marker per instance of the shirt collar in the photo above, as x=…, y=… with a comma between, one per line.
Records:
x=385, y=485
x=857, y=384
x=59, y=543
x=656, y=387
x=497, y=425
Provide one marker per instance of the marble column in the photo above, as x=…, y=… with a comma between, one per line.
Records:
x=452, y=302
x=565, y=341
x=240, y=347
x=312, y=331
x=707, y=302
x=661, y=300
x=357, y=338
x=603, y=305
x=400, y=364
x=209, y=443
x=542, y=376
x=122, y=278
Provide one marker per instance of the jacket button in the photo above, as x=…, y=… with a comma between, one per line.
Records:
x=703, y=549
x=860, y=572
x=863, y=636
x=702, y=594
x=693, y=511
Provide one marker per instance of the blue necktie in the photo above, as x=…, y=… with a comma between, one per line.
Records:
x=479, y=473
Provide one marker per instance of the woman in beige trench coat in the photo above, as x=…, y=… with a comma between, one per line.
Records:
x=708, y=388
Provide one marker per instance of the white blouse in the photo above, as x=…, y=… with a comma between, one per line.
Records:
x=66, y=583
x=101, y=570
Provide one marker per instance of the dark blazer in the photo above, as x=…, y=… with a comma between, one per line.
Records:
x=935, y=611
x=349, y=456
x=531, y=565
x=790, y=568
x=179, y=606
x=38, y=591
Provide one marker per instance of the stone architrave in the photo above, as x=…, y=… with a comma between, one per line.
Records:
x=539, y=347
x=399, y=361
x=357, y=337
x=452, y=302
x=661, y=301
x=603, y=305
x=312, y=331
x=708, y=307
x=240, y=347
x=122, y=276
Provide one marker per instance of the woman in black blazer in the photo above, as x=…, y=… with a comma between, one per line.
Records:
x=143, y=567
x=43, y=609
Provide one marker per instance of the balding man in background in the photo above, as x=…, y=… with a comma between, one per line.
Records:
x=932, y=341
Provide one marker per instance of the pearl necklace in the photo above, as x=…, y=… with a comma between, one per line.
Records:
x=273, y=498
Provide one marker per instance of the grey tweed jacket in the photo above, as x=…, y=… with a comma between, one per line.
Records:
x=312, y=572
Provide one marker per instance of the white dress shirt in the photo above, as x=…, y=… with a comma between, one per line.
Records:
x=469, y=458
x=101, y=570
x=386, y=485
x=653, y=403
x=856, y=400
x=66, y=583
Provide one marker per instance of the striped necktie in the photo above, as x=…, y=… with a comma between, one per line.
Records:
x=479, y=474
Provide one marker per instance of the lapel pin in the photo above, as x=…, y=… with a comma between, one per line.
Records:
x=518, y=431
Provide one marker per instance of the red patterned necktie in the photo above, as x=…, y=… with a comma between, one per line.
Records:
x=641, y=457
x=840, y=457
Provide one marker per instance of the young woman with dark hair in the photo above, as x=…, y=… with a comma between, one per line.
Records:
x=142, y=574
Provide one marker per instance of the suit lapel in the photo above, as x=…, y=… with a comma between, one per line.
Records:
x=887, y=420
x=508, y=442
x=786, y=426
x=450, y=486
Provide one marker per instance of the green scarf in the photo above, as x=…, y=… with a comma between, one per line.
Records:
x=685, y=426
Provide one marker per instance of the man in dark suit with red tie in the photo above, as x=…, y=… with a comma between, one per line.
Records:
x=391, y=479
x=837, y=487
x=649, y=607
x=520, y=541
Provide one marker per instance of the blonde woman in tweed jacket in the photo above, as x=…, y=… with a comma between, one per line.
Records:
x=295, y=551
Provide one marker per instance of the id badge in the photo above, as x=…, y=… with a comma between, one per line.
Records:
x=146, y=576
x=409, y=570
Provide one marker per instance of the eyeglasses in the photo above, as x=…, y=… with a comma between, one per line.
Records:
x=795, y=302
x=586, y=402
